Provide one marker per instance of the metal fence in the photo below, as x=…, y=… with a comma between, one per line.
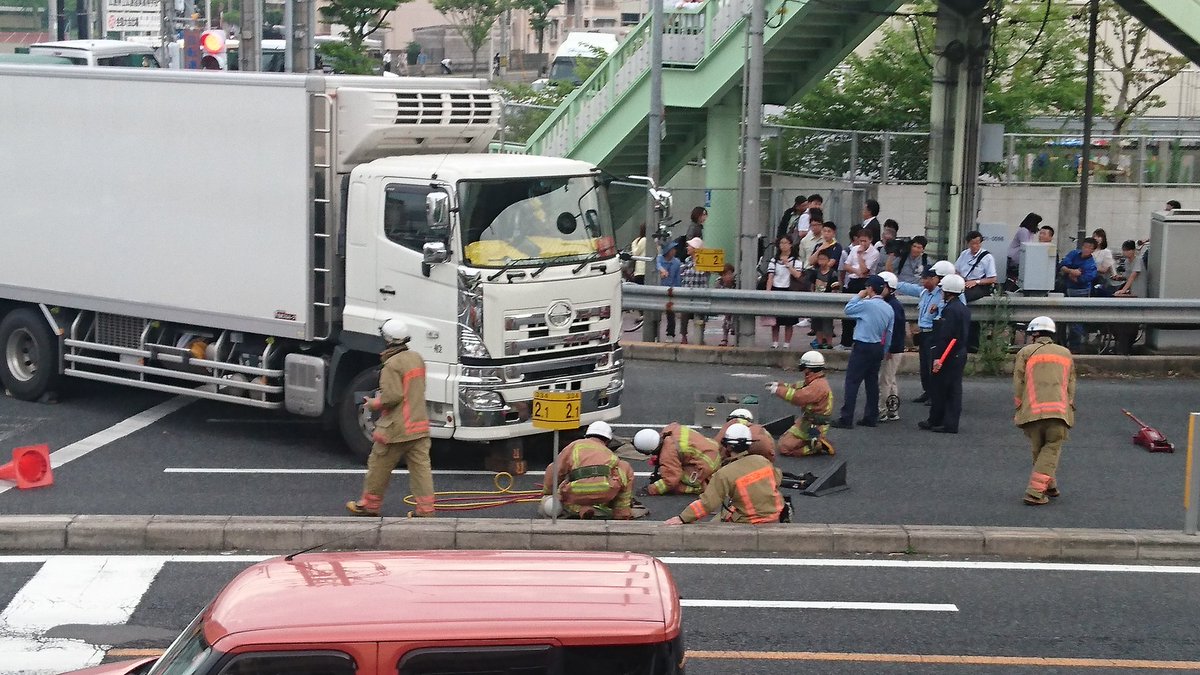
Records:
x=1172, y=312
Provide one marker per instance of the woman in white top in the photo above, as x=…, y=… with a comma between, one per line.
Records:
x=638, y=250
x=1102, y=256
x=781, y=271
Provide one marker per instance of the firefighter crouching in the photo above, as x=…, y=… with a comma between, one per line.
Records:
x=744, y=490
x=761, y=442
x=807, y=435
x=683, y=459
x=592, y=481
x=1044, y=394
x=402, y=432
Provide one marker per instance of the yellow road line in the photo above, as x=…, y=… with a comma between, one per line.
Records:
x=134, y=653
x=947, y=659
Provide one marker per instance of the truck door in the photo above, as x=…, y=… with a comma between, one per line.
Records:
x=428, y=303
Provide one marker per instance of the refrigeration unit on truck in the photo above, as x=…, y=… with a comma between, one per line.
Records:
x=241, y=237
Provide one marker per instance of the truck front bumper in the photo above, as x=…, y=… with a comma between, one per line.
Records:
x=504, y=411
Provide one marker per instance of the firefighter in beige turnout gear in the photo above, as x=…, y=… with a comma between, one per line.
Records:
x=592, y=481
x=1044, y=395
x=813, y=395
x=402, y=432
x=744, y=490
x=683, y=459
x=761, y=442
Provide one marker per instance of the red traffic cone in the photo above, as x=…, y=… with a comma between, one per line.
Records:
x=30, y=467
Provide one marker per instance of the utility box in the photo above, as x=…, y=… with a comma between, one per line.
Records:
x=1174, y=240
x=712, y=410
x=1038, y=266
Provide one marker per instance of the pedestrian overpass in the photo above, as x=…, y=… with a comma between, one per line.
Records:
x=605, y=120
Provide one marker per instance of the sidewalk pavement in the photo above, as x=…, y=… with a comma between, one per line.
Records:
x=134, y=534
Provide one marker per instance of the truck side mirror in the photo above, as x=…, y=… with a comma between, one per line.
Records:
x=437, y=210
x=433, y=253
x=662, y=202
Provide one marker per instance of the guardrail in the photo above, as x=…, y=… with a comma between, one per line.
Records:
x=1174, y=312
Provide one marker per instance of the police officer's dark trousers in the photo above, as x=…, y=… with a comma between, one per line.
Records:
x=946, y=394
x=852, y=286
x=924, y=341
x=862, y=368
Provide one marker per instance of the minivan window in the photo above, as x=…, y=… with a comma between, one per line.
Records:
x=652, y=659
x=300, y=663
x=129, y=61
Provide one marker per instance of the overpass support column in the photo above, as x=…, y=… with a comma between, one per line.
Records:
x=956, y=111
x=721, y=176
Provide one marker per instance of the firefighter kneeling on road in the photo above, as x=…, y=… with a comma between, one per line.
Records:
x=683, y=459
x=744, y=490
x=592, y=481
x=761, y=442
x=807, y=435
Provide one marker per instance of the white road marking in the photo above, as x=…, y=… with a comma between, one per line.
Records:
x=281, y=420
x=820, y=604
x=71, y=590
x=934, y=564
x=344, y=472
x=650, y=425
x=115, y=432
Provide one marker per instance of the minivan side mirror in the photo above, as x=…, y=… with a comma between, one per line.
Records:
x=437, y=210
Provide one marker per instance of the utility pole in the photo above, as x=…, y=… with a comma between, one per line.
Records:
x=748, y=229
x=654, y=120
x=250, y=36
x=168, y=30
x=577, y=21
x=1089, y=112
x=298, y=31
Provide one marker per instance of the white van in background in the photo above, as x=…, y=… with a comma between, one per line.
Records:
x=578, y=45
x=99, y=53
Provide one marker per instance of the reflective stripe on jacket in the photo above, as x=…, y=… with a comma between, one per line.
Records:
x=590, y=490
x=745, y=490
x=402, y=397
x=1044, y=383
x=814, y=397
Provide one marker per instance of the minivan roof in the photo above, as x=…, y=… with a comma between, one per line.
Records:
x=100, y=48
x=565, y=597
x=35, y=59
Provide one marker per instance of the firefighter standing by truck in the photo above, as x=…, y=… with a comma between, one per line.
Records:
x=683, y=459
x=807, y=435
x=744, y=490
x=761, y=442
x=402, y=432
x=1044, y=395
x=592, y=481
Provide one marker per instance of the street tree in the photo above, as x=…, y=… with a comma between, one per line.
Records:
x=1138, y=69
x=1032, y=69
x=361, y=19
x=472, y=20
x=539, y=12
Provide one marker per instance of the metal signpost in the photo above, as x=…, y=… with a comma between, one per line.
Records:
x=1191, y=486
x=556, y=410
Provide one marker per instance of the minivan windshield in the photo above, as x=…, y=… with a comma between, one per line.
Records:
x=520, y=222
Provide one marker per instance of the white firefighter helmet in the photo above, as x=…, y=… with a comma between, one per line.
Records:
x=741, y=414
x=890, y=279
x=812, y=360
x=600, y=429
x=550, y=507
x=395, y=330
x=953, y=284
x=943, y=268
x=646, y=441
x=1041, y=324
x=737, y=438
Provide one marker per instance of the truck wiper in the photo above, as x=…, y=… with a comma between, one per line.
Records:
x=591, y=258
x=508, y=266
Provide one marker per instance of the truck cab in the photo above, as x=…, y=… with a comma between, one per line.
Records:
x=99, y=53
x=427, y=612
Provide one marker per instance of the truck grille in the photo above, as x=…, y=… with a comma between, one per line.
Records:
x=527, y=332
x=450, y=108
x=119, y=331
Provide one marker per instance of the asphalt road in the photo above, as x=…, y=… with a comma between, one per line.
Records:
x=897, y=473
x=1023, y=612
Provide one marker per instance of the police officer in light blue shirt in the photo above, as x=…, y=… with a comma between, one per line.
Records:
x=929, y=309
x=874, y=322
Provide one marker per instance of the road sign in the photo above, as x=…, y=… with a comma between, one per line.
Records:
x=556, y=409
x=710, y=260
x=133, y=21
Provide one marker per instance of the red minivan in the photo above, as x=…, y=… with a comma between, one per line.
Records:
x=434, y=612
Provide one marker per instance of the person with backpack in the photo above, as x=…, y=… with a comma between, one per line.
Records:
x=910, y=265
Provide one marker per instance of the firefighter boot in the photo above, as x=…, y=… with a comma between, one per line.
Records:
x=1035, y=494
x=368, y=505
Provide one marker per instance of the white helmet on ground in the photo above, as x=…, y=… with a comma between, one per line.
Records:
x=600, y=429
x=1041, y=324
x=943, y=268
x=646, y=441
x=890, y=279
x=395, y=330
x=812, y=360
x=550, y=507
x=953, y=284
x=741, y=414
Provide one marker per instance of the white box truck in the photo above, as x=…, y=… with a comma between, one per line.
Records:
x=242, y=237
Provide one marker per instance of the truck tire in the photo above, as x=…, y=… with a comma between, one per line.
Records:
x=354, y=423
x=28, y=355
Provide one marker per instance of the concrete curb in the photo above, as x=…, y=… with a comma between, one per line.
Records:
x=92, y=533
x=1085, y=364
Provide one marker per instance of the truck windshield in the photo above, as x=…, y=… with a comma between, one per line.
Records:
x=529, y=222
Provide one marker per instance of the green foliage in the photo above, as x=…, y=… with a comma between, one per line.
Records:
x=343, y=57
x=411, y=51
x=539, y=12
x=1032, y=69
x=361, y=18
x=473, y=20
x=531, y=108
x=995, y=338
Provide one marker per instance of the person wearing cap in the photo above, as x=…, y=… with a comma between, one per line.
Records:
x=1044, y=396
x=806, y=436
x=592, y=481
x=761, y=442
x=929, y=308
x=744, y=490
x=683, y=459
x=874, y=322
x=690, y=278
x=949, y=352
x=889, y=390
x=668, y=267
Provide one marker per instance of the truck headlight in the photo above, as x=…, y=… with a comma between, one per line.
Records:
x=614, y=385
x=470, y=344
x=483, y=399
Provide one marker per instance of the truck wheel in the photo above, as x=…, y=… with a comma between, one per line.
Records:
x=30, y=355
x=354, y=420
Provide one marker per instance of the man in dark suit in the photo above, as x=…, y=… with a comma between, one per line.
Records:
x=870, y=214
